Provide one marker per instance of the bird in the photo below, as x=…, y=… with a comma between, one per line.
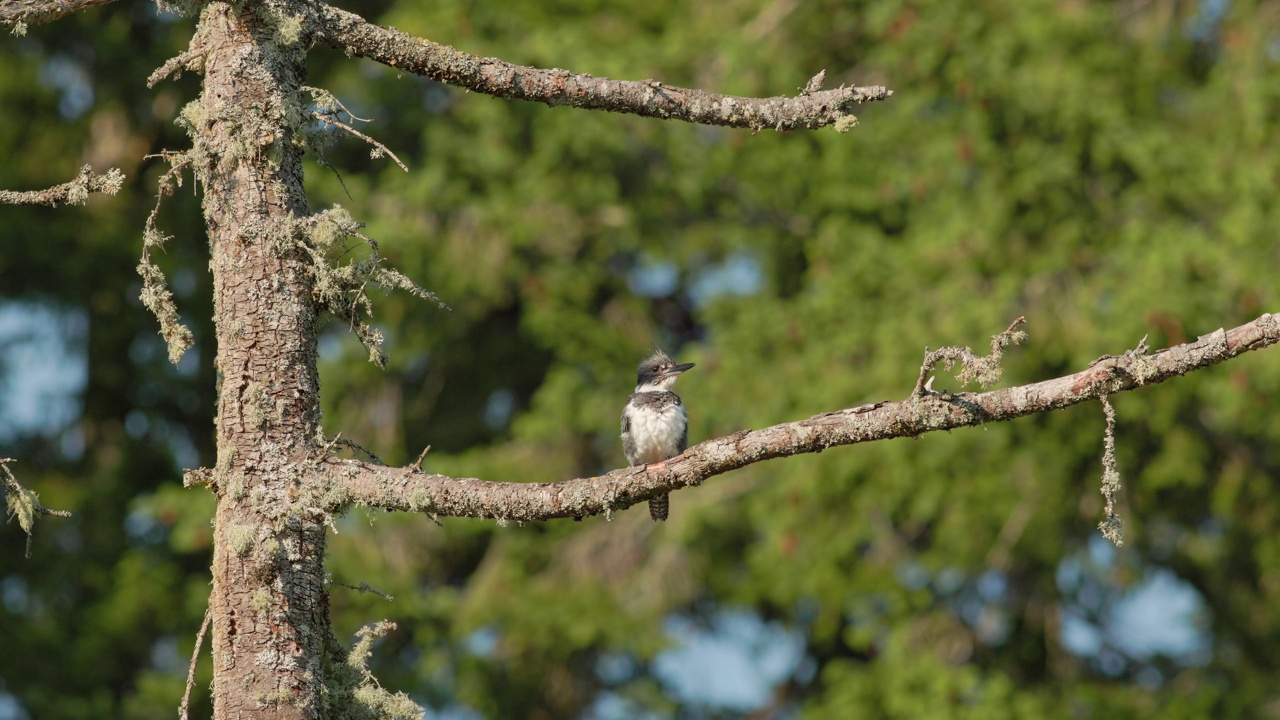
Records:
x=655, y=425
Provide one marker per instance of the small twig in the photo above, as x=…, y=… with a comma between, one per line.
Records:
x=324, y=453
x=1112, y=526
x=815, y=83
x=362, y=449
x=191, y=671
x=417, y=465
x=339, y=441
x=334, y=99
x=328, y=119
x=197, y=476
x=1137, y=352
x=182, y=61
x=323, y=161
x=366, y=587
x=372, y=243
x=985, y=370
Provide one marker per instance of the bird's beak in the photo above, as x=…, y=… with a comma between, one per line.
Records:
x=679, y=369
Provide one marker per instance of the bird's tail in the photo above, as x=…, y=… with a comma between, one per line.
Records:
x=659, y=507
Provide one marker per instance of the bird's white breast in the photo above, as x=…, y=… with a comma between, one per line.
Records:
x=657, y=432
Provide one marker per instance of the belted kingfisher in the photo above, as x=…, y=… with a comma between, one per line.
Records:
x=655, y=426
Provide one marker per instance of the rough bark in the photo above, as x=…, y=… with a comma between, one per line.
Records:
x=269, y=610
x=408, y=488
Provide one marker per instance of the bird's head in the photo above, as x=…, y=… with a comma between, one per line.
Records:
x=658, y=372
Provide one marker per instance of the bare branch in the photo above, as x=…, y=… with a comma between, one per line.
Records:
x=379, y=148
x=407, y=488
x=354, y=35
x=20, y=13
x=75, y=192
x=366, y=587
x=330, y=107
x=191, y=670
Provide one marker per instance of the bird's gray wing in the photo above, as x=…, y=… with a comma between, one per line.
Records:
x=628, y=442
x=684, y=432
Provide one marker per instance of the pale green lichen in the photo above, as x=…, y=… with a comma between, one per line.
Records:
x=986, y=371
x=274, y=699
x=289, y=29
x=241, y=539
x=1143, y=369
x=24, y=505
x=155, y=293
x=183, y=8
x=190, y=117
x=157, y=298
x=335, y=497
x=1112, y=526
x=845, y=123
x=236, y=487
x=342, y=289
x=353, y=692
x=419, y=500
x=259, y=408
x=260, y=601
x=270, y=547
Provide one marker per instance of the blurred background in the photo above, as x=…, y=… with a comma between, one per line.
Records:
x=1107, y=169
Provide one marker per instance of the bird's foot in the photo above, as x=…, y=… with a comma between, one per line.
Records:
x=656, y=467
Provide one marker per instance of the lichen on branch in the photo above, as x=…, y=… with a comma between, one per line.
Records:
x=342, y=289
x=809, y=110
x=75, y=192
x=986, y=370
x=20, y=13
x=354, y=692
x=22, y=503
x=1112, y=526
x=155, y=294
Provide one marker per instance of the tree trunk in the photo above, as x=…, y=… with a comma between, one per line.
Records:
x=269, y=608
